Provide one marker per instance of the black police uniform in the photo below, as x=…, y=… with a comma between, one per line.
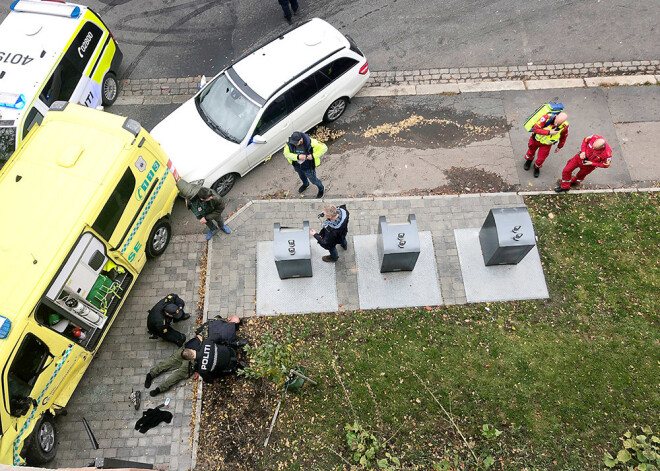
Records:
x=159, y=324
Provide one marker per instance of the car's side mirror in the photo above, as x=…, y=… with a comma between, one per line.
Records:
x=257, y=139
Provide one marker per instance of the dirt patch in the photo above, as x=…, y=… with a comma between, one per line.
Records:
x=384, y=123
x=467, y=180
x=235, y=417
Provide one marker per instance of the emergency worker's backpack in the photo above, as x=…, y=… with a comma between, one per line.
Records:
x=552, y=109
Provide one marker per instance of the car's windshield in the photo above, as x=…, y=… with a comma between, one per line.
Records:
x=7, y=144
x=226, y=109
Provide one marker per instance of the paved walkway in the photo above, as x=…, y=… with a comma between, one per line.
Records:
x=121, y=364
x=231, y=283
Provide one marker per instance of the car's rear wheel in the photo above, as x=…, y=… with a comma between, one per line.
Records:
x=109, y=89
x=159, y=238
x=225, y=183
x=335, y=110
x=42, y=443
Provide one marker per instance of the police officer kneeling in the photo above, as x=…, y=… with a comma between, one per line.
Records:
x=167, y=310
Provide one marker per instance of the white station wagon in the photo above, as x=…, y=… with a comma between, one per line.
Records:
x=248, y=111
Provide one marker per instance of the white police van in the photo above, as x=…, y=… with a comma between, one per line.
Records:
x=50, y=51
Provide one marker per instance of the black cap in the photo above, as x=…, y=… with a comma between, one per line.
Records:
x=173, y=310
x=295, y=138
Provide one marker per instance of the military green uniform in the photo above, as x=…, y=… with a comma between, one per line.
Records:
x=183, y=369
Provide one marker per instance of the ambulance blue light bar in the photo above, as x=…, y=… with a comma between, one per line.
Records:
x=12, y=100
x=5, y=325
x=46, y=7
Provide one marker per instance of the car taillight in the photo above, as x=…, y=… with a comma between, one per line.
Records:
x=364, y=69
x=175, y=174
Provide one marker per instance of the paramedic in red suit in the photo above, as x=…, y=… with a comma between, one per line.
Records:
x=549, y=130
x=595, y=153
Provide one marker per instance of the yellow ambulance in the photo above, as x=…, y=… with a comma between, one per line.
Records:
x=51, y=51
x=87, y=198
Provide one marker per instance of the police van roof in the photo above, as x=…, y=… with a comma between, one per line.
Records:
x=49, y=188
x=268, y=68
x=32, y=42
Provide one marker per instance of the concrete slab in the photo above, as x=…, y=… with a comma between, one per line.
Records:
x=437, y=89
x=129, y=100
x=633, y=104
x=588, y=113
x=620, y=80
x=553, y=83
x=376, y=290
x=636, y=139
x=470, y=87
x=395, y=90
x=497, y=283
x=294, y=295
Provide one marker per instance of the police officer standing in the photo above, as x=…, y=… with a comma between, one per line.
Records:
x=167, y=310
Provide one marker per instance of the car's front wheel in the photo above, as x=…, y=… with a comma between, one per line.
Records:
x=109, y=89
x=159, y=238
x=225, y=183
x=42, y=443
x=335, y=110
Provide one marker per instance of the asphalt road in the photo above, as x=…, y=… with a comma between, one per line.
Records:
x=178, y=38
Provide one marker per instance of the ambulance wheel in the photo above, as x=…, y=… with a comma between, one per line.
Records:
x=41, y=445
x=109, y=89
x=224, y=184
x=159, y=238
x=335, y=110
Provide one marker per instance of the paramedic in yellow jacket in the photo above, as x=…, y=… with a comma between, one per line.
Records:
x=305, y=153
x=548, y=131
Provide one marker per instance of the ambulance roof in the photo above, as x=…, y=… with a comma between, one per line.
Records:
x=271, y=66
x=32, y=43
x=47, y=203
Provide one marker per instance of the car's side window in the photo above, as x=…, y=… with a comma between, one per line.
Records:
x=32, y=118
x=24, y=371
x=275, y=112
x=332, y=71
x=112, y=211
x=302, y=91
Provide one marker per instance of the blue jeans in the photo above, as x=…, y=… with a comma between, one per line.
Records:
x=333, y=251
x=309, y=175
x=285, y=7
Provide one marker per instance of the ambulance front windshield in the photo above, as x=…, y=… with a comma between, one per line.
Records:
x=7, y=143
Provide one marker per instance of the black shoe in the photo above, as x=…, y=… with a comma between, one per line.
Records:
x=574, y=184
x=561, y=190
x=154, y=392
x=345, y=247
x=328, y=258
x=136, y=398
x=528, y=163
x=537, y=171
x=302, y=188
x=148, y=380
x=320, y=194
x=295, y=12
x=240, y=343
x=289, y=20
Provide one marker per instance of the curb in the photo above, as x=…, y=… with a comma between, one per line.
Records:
x=155, y=91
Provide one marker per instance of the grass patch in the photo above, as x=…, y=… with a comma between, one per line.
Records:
x=561, y=378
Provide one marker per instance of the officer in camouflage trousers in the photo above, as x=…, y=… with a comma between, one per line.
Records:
x=183, y=362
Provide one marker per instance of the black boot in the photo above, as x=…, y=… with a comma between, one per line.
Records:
x=154, y=392
x=148, y=380
x=561, y=190
x=302, y=188
x=537, y=171
x=528, y=163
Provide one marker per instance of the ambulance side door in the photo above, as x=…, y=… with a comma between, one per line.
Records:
x=126, y=218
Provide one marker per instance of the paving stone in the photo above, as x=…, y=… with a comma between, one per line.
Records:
x=120, y=366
